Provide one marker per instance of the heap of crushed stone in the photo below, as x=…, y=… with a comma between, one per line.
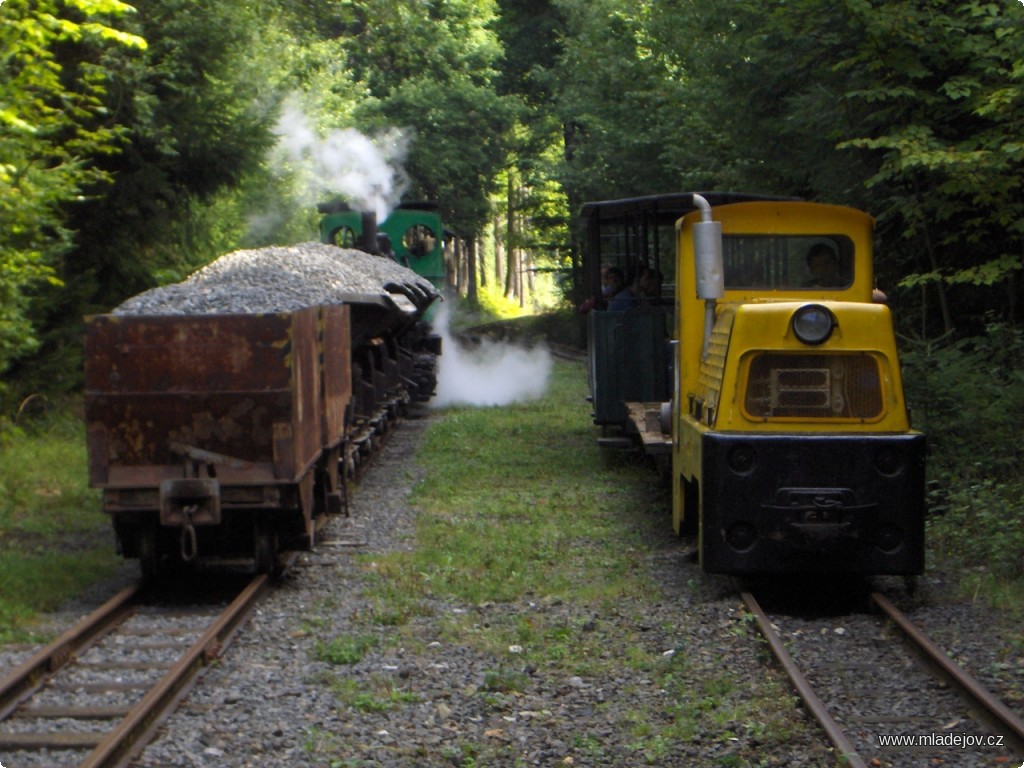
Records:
x=275, y=279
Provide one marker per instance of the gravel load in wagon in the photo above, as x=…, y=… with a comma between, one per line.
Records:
x=282, y=279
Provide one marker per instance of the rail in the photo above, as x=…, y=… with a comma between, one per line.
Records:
x=29, y=676
x=980, y=701
x=136, y=726
x=817, y=708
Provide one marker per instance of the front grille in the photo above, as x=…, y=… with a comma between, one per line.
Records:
x=833, y=386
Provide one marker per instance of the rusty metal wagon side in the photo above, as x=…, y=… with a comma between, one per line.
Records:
x=217, y=436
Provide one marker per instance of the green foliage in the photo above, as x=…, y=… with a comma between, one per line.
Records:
x=911, y=111
x=531, y=32
x=124, y=166
x=52, y=122
x=530, y=218
x=461, y=142
x=199, y=110
x=617, y=102
x=43, y=476
x=435, y=84
x=944, y=120
x=979, y=524
x=452, y=40
x=370, y=702
x=967, y=396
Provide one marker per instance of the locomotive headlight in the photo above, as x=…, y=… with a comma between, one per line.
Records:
x=813, y=324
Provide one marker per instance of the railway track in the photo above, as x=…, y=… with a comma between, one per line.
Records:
x=97, y=694
x=568, y=353
x=938, y=714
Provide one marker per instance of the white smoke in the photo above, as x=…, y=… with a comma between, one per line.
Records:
x=495, y=373
x=367, y=172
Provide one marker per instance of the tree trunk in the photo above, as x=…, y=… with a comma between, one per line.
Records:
x=531, y=285
x=460, y=250
x=499, y=254
x=512, y=283
x=933, y=263
x=451, y=260
x=481, y=272
x=471, y=295
x=464, y=256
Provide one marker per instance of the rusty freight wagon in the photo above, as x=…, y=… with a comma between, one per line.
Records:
x=217, y=436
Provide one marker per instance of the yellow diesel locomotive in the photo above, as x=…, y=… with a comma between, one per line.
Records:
x=791, y=445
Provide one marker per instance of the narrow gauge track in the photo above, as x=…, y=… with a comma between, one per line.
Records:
x=96, y=695
x=565, y=352
x=891, y=679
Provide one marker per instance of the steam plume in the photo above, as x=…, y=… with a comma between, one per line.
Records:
x=366, y=171
x=492, y=374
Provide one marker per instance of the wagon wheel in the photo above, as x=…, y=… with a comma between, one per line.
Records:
x=149, y=557
x=306, y=496
x=331, y=499
x=265, y=546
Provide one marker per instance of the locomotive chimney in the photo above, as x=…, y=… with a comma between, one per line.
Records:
x=367, y=241
x=707, y=256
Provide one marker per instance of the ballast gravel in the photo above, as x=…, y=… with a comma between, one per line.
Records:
x=277, y=279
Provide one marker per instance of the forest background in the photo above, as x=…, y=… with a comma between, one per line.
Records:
x=137, y=143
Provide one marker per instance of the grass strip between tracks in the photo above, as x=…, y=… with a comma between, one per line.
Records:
x=519, y=503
